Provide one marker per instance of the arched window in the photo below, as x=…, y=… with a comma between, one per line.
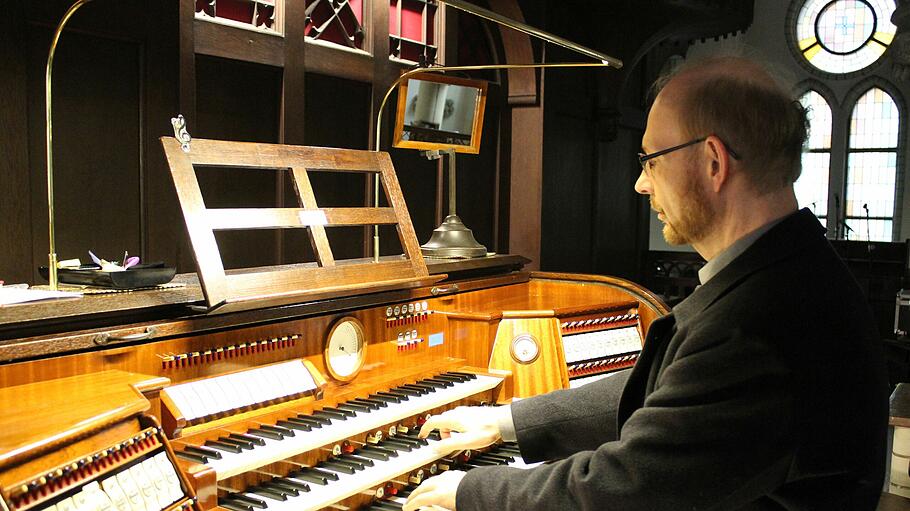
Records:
x=871, y=179
x=812, y=185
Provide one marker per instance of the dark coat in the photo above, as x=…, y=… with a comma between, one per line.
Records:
x=765, y=389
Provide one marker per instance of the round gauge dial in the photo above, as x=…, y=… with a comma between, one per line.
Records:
x=525, y=349
x=345, y=349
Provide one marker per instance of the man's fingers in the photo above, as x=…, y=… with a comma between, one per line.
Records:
x=417, y=496
x=441, y=422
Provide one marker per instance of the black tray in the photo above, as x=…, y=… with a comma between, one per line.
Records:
x=143, y=275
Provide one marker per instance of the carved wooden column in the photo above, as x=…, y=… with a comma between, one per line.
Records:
x=525, y=193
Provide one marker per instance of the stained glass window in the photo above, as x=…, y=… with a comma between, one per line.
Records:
x=259, y=15
x=412, y=30
x=872, y=166
x=843, y=36
x=335, y=21
x=812, y=186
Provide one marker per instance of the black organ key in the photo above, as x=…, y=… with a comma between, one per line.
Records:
x=375, y=455
x=378, y=403
x=469, y=376
x=434, y=435
x=264, y=433
x=398, y=446
x=423, y=389
x=385, y=505
x=338, y=467
x=410, y=441
x=375, y=448
x=354, y=407
x=292, y=483
x=397, y=396
x=450, y=378
x=314, y=422
x=268, y=493
x=311, y=478
x=408, y=391
x=223, y=446
x=346, y=413
x=246, y=499
x=386, y=397
x=500, y=457
x=414, y=437
x=243, y=444
x=359, y=459
x=322, y=414
x=247, y=438
x=208, y=453
x=234, y=505
x=285, y=490
x=198, y=458
x=441, y=381
x=331, y=476
x=277, y=429
x=299, y=426
x=356, y=465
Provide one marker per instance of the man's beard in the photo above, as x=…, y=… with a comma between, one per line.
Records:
x=694, y=220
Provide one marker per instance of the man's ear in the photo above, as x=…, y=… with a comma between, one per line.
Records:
x=717, y=162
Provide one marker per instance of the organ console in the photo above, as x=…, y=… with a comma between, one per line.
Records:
x=290, y=405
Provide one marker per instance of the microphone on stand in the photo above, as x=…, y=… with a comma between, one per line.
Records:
x=868, y=237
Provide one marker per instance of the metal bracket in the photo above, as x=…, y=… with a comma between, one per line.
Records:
x=180, y=133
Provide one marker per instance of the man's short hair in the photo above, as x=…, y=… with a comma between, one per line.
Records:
x=739, y=101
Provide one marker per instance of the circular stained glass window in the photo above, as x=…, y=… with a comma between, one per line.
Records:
x=843, y=36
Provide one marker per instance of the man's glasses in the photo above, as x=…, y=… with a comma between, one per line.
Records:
x=643, y=158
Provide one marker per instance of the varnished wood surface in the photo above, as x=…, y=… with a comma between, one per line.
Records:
x=69, y=409
x=44, y=318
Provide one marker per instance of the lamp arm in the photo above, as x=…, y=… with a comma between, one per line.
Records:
x=527, y=29
x=52, y=255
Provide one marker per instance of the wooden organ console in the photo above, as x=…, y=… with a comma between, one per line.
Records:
x=305, y=403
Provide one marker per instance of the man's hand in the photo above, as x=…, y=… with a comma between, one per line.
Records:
x=465, y=427
x=436, y=491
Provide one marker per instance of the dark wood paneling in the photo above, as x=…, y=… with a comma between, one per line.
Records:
x=165, y=239
x=239, y=101
x=217, y=40
x=97, y=144
x=15, y=212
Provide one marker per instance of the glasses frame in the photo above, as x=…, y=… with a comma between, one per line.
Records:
x=644, y=158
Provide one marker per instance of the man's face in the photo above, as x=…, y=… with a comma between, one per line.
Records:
x=671, y=180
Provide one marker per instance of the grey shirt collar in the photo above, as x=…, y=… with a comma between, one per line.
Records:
x=720, y=261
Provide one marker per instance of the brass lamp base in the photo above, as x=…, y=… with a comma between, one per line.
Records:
x=452, y=240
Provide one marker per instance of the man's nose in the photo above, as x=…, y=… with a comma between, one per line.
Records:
x=643, y=184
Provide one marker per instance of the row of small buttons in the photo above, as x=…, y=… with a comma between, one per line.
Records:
x=407, y=313
x=599, y=365
x=173, y=361
x=408, y=340
x=584, y=323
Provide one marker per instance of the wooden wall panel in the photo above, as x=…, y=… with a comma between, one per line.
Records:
x=15, y=210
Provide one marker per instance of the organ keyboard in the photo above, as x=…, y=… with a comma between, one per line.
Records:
x=257, y=422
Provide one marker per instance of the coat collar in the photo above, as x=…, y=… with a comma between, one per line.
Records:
x=791, y=235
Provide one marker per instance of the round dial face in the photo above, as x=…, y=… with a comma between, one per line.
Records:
x=345, y=349
x=525, y=349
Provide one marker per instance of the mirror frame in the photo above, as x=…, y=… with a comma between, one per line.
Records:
x=476, y=130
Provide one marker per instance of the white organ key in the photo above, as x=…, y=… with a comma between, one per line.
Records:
x=151, y=470
x=181, y=397
x=66, y=504
x=115, y=492
x=259, y=386
x=131, y=490
x=85, y=500
x=146, y=488
x=102, y=500
x=175, y=491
